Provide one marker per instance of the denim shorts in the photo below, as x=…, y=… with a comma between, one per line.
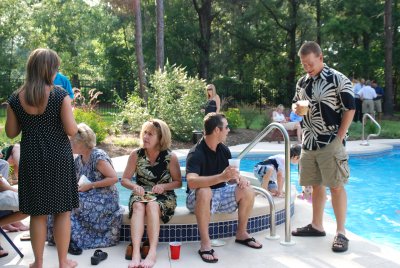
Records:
x=223, y=200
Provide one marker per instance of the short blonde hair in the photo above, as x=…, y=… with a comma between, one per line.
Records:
x=85, y=136
x=161, y=129
x=214, y=91
x=280, y=106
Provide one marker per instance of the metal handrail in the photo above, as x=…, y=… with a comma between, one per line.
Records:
x=256, y=140
x=268, y=196
x=365, y=142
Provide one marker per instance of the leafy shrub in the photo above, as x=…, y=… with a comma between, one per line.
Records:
x=249, y=114
x=174, y=97
x=234, y=118
x=93, y=120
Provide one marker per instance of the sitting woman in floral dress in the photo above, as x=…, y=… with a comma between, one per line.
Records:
x=97, y=221
x=157, y=171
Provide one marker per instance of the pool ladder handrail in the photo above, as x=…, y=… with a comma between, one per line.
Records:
x=265, y=193
x=365, y=142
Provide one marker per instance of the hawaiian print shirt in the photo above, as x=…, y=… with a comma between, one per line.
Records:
x=330, y=93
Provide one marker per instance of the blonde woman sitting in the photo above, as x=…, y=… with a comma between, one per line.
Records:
x=279, y=117
x=157, y=175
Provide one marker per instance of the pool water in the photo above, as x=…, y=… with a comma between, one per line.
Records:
x=373, y=195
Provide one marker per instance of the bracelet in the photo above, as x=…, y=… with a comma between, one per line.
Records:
x=93, y=186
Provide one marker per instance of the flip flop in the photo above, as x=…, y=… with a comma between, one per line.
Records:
x=5, y=253
x=207, y=252
x=340, y=243
x=308, y=231
x=25, y=237
x=98, y=256
x=247, y=241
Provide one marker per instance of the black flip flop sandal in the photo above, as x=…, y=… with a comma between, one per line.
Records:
x=207, y=252
x=308, y=231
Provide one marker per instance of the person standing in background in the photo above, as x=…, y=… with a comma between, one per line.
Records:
x=63, y=81
x=323, y=159
x=357, y=87
x=378, y=100
x=47, y=180
x=213, y=104
x=367, y=94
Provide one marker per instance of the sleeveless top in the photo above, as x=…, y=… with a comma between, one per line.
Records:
x=211, y=107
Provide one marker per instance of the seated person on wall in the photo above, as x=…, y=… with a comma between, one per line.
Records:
x=11, y=154
x=157, y=175
x=279, y=117
x=271, y=171
x=10, y=216
x=97, y=220
x=216, y=187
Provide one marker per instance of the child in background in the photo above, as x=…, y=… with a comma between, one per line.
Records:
x=271, y=171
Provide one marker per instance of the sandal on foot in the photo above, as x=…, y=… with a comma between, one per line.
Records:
x=129, y=252
x=247, y=242
x=308, y=231
x=340, y=243
x=98, y=256
x=207, y=252
x=74, y=249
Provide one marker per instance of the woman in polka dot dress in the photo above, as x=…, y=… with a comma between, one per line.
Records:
x=47, y=180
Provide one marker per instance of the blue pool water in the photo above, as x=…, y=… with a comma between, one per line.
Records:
x=373, y=195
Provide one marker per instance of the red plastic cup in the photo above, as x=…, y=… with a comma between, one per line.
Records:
x=175, y=248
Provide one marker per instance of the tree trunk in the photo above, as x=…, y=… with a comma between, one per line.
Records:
x=139, y=49
x=318, y=9
x=291, y=75
x=160, y=35
x=205, y=19
x=388, y=111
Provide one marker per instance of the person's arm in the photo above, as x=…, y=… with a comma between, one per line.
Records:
x=110, y=177
x=67, y=117
x=218, y=103
x=195, y=181
x=280, y=182
x=129, y=171
x=13, y=128
x=346, y=122
x=6, y=187
x=176, y=175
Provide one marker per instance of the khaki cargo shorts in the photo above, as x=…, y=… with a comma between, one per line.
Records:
x=328, y=166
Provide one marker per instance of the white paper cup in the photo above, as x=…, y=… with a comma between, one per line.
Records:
x=235, y=162
x=302, y=107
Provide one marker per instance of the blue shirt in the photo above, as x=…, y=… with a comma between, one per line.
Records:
x=63, y=81
x=294, y=117
x=379, y=91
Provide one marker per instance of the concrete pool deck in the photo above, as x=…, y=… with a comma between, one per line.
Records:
x=306, y=252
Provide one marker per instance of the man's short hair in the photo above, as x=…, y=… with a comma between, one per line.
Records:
x=309, y=47
x=211, y=121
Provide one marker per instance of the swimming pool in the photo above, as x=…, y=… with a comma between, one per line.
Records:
x=373, y=192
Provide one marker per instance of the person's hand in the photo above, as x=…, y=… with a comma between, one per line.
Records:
x=85, y=187
x=138, y=190
x=243, y=183
x=294, y=107
x=158, y=189
x=231, y=174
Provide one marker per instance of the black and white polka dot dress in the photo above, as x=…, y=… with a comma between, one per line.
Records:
x=47, y=181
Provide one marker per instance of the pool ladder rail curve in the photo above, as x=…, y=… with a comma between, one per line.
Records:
x=365, y=142
x=266, y=194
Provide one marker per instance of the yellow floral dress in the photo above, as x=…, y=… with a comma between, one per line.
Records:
x=148, y=175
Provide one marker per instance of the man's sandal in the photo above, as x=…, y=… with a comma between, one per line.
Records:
x=340, y=243
x=207, y=252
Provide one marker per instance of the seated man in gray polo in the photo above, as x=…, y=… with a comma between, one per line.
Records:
x=216, y=187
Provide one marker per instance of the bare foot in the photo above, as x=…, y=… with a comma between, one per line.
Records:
x=149, y=261
x=135, y=263
x=68, y=264
x=35, y=265
x=20, y=226
x=10, y=228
